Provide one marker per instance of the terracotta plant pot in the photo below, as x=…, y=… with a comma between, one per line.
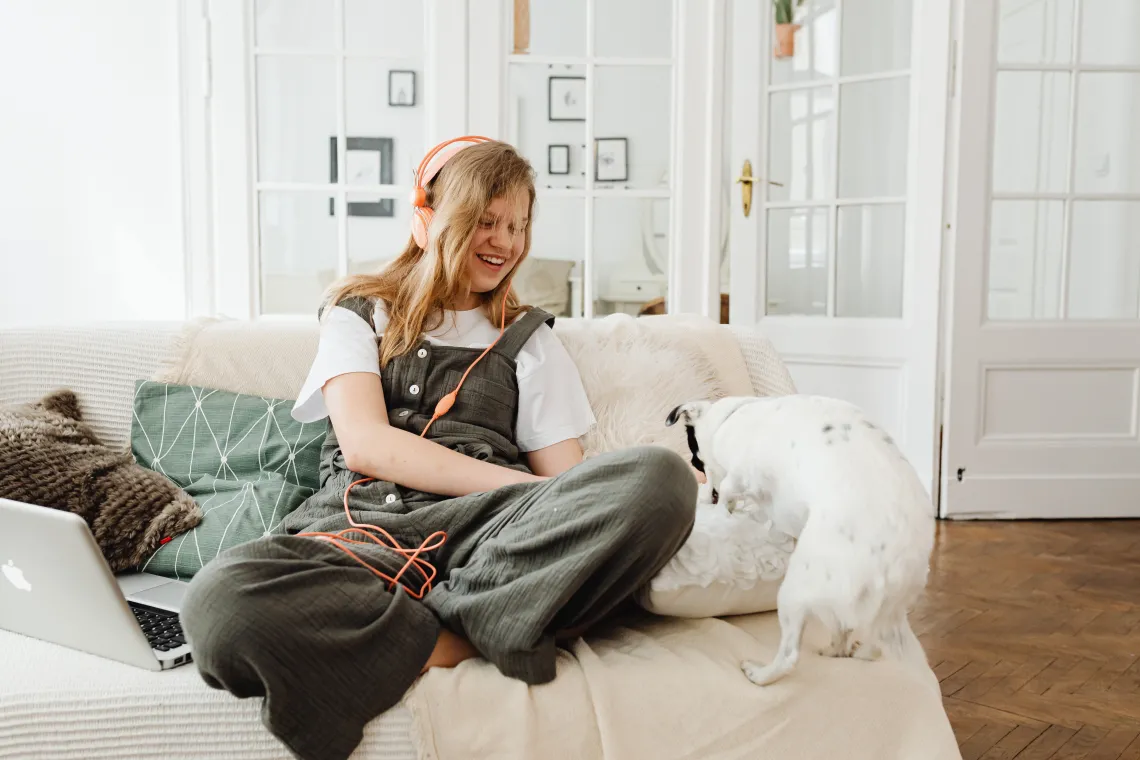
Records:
x=786, y=40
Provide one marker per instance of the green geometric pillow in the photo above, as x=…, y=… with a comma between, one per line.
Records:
x=243, y=458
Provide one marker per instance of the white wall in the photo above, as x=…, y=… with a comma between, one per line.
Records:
x=90, y=177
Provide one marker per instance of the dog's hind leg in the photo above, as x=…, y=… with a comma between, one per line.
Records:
x=792, y=621
x=842, y=644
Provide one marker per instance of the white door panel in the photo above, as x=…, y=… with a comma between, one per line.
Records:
x=1044, y=336
x=839, y=262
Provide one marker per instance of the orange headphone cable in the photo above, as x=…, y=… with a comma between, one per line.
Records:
x=375, y=534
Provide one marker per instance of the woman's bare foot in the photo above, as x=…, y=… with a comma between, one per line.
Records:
x=450, y=650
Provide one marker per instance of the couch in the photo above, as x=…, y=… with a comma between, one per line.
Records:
x=58, y=703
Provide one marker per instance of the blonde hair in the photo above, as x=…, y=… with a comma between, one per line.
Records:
x=420, y=284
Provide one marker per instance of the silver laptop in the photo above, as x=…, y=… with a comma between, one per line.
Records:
x=56, y=586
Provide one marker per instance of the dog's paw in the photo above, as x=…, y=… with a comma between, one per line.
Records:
x=761, y=675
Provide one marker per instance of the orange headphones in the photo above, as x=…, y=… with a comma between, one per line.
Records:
x=373, y=534
x=425, y=173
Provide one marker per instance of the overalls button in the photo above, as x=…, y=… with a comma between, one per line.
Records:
x=414, y=390
x=389, y=498
x=405, y=412
x=421, y=353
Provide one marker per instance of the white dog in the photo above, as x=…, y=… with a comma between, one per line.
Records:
x=832, y=479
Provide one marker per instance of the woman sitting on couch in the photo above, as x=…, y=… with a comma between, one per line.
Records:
x=527, y=543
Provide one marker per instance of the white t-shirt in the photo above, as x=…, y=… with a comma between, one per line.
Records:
x=552, y=402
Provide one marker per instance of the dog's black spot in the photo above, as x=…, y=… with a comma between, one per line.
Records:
x=828, y=428
x=715, y=497
x=696, y=457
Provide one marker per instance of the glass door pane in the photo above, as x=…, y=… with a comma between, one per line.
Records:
x=815, y=46
x=876, y=36
x=615, y=21
x=1108, y=147
x=547, y=121
x=632, y=145
x=548, y=28
x=873, y=125
x=1104, y=268
x=551, y=277
x=871, y=243
x=801, y=144
x=295, y=24
x=631, y=247
x=797, y=261
x=296, y=116
x=1109, y=32
x=1027, y=243
x=1035, y=32
x=1031, y=132
x=297, y=237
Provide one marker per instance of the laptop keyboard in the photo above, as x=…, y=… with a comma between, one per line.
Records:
x=162, y=628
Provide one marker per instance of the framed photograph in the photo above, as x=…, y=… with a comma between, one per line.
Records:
x=611, y=159
x=401, y=88
x=567, y=99
x=557, y=159
x=368, y=161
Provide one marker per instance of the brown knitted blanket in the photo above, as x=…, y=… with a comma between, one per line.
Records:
x=50, y=457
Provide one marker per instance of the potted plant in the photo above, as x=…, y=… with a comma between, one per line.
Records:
x=786, y=27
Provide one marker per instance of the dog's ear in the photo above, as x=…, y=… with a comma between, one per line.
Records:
x=690, y=412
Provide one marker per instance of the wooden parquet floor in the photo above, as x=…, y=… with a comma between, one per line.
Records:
x=1033, y=629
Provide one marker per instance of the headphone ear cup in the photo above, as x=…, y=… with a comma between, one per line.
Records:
x=421, y=218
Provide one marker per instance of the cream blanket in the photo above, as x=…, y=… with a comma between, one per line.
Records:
x=656, y=688
x=673, y=690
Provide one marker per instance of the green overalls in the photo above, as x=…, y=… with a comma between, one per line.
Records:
x=294, y=620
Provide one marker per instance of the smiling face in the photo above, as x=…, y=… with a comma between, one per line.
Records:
x=498, y=243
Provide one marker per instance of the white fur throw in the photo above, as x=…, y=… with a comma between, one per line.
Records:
x=636, y=370
x=731, y=564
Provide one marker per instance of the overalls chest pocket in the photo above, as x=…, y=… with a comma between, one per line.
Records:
x=484, y=402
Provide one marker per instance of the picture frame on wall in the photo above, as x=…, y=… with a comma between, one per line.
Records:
x=567, y=99
x=368, y=161
x=401, y=88
x=611, y=159
x=558, y=159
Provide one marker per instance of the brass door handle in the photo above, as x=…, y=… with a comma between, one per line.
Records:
x=746, y=181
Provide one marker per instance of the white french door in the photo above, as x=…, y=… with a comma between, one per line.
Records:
x=838, y=257
x=1044, y=336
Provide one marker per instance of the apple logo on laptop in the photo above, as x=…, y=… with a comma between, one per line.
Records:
x=15, y=576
